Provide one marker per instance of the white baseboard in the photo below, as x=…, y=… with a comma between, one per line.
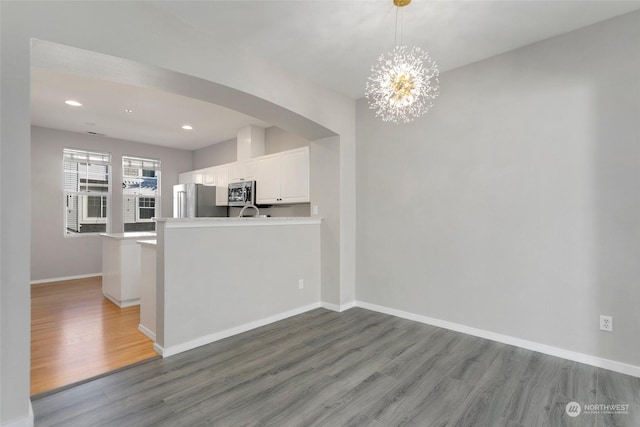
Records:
x=329, y=306
x=598, y=362
x=61, y=279
x=22, y=422
x=336, y=307
x=122, y=304
x=207, y=339
x=348, y=305
x=147, y=332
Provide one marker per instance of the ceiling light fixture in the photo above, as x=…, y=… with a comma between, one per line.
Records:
x=187, y=127
x=73, y=103
x=128, y=110
x=404, y=82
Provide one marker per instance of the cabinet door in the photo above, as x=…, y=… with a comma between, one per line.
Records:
x=294, y=169
x=194, y=177
x=242, y=171
x=222, y=185
x=249, y=171
x=209, y=176
x=236, y=172
x=268, y=180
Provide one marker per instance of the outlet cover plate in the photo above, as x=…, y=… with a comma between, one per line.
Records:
x=606, y=323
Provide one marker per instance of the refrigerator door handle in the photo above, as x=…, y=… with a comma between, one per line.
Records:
x=182, y=204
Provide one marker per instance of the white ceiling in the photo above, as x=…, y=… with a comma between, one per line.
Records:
x=156, y=117
x=330, y=42
x=335, y=42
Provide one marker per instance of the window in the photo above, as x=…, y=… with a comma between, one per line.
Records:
x=86, y=191
x=96, y=207
x=146, y=207
x=140, y=193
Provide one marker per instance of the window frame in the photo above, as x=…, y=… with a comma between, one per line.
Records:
x=104, y=205
x=138, y=208
x=155, y=165
x=83, y=195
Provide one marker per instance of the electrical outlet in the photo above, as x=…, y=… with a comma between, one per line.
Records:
x=315, y=209
x=606, y=323
x=301, y=284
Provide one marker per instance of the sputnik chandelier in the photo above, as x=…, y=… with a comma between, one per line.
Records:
x=404, y=82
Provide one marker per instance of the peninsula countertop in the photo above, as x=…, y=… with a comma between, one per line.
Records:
x=237, y=221
x=133, y=235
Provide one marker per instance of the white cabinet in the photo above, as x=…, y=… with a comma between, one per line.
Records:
x=221, y=179
x=217, y=175
x=294, y=176
x=242, y=171
x=192, y=177
x=283, y=177
x=268, y=180
x=209, y=176
x=121, y=267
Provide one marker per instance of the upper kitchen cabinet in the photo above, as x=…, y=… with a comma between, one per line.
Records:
x=294, y=169
x=268, y=179
x=283, y=178
x=209, y=176
x=192, y=177
x=221, y=179
x=242, y=171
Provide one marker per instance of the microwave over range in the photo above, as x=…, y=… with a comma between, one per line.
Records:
x=242, y=193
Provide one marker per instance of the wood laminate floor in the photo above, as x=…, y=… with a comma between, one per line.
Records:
x=353, y=368
x=77, y=334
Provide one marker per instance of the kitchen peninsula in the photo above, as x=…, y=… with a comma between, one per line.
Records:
x=217, y=277
x=121, y=267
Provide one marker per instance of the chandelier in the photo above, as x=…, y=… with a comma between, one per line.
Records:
x=403, y=83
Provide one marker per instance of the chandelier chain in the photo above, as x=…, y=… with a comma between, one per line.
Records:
x=399, y=11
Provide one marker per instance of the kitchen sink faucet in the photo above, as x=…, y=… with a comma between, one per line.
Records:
x=249, y=206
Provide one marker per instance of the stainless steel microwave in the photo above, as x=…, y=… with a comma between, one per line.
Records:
x=242, y=193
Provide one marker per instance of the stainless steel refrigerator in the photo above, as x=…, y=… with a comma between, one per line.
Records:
x=196, y=200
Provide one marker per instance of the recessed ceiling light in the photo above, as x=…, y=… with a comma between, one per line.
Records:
x=73, y=103
x=187, y=127
x=128, y=110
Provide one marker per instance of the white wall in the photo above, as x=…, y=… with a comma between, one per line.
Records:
x=325, y=184
x=215, y=154
x=207, y=290
x=52, y=254
x=137, y=31
x=275, y=141
x=513, y=205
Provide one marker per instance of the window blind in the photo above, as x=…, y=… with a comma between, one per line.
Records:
x=138, y=163
x=88, y=157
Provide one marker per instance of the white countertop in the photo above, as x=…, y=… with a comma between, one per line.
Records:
x=148, y=242
x=237, y=222
x=130, y=235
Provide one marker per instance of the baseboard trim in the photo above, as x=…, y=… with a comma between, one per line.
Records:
x=146, y=332
x=348, y=305
x=208, y=339
x=122, y=304
x=336, y=307
x=27, y=421
x=587, y=359
x=62, y=279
